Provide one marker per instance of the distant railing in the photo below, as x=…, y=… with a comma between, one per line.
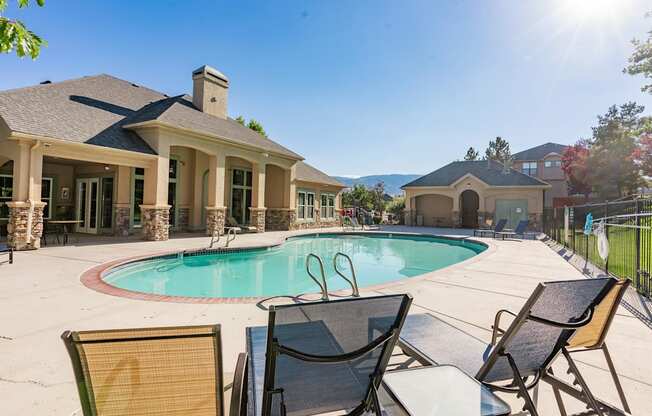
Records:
x=628, y=228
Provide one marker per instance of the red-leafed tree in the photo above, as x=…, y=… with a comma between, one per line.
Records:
x=643, y=154
x=574, y=163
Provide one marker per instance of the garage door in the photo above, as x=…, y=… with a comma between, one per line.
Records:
x=513, y=210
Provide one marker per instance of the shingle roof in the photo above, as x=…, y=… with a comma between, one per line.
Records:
x=305, y=172
x=490, y=173
x=539, y=152
x=93, y=110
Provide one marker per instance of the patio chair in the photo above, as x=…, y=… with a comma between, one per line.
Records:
x=324, y=357
x=519, y=357
x=5, y=249
x=500, y=225
x=592, y=337
x=520, y=230
x=162, y=371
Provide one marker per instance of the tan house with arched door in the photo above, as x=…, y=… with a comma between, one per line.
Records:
x=120, y=158
x=470, y=194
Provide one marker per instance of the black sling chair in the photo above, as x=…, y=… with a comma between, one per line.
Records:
x=327, y=356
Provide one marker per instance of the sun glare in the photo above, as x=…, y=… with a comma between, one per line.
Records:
x=591, y=10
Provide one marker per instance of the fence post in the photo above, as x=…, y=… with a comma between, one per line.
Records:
x=637, y=211
x=606, y=232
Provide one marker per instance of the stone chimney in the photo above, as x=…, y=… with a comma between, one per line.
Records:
x=210, y=91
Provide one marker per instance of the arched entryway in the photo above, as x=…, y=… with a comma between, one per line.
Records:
x=469, y=202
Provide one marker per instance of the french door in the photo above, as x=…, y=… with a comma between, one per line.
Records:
x=241, y=195
x=88, y=205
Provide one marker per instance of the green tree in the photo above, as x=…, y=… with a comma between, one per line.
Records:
x=498, y=150
x=396, y=206
x=471, y=154
x=14, y=35
x=358, y=196
x=377, y=196
x=254, y=125
x=257, y=127
x=612, y=168
x=640, y=62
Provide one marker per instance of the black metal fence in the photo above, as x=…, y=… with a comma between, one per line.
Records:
x=629, y=234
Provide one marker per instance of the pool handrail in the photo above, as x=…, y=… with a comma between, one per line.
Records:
x=353, y=281
x=323, y=286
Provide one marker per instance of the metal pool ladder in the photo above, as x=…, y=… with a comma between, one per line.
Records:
x=353, y=281
x=230, y=236
x=322, y=285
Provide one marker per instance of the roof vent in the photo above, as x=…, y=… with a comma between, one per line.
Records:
x=47, y=81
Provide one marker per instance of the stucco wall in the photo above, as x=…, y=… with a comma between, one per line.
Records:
x=274, y=187
x=436, y=210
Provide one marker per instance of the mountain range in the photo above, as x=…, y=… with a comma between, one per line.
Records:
x=393, y=182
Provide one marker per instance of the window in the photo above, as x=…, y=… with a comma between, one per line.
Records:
x=139, y=192
x=6, y=186
x=46, y=196
x=327, y=206
x=306, y=205
x=172, y=190
x=529, y=168
x=6, y=192
x=107, y=202
x=552, y=163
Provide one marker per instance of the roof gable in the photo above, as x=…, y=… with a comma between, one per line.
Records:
x=540, y=152
x=489, y=172
x=307, y=173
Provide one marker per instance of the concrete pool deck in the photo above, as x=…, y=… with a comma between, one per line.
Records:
x=41, y=296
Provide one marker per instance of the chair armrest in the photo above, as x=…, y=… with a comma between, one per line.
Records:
x=497, y=332
x=238, y=406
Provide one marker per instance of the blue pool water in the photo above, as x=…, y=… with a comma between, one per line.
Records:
x=281, y=270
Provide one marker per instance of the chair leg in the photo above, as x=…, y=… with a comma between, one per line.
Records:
x=11, y=256
x=560, y=401
x=530, y=405
x=575, y=372
x=615, y=378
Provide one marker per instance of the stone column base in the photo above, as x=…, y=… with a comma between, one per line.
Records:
x=19, y=236
x=156, y=222
x=215, y=219
x=279, y=219
x=258, y=219
x=122, y=216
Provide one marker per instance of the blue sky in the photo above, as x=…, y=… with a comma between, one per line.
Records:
x=363, y=87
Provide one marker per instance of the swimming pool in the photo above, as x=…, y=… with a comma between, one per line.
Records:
x=281, y=270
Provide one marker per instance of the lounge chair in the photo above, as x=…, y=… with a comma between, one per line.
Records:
x=5, y=249
x=492, y=231
x=520, y=230
x=592, y=337
x=323, y=357
x=232, y=223
x=536, y=336
x=162, y=371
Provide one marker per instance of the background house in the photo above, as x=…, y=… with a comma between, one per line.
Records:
x=122, y=158
x=544, y=162
x=474, y=193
